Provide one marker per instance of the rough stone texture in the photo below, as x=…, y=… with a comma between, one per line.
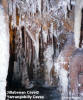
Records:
x=75, y=71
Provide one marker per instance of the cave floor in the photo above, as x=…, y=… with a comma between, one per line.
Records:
x=49, y=93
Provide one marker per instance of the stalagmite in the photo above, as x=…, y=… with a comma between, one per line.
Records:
x=48, y=54
x=4, y=52
x=61, y=65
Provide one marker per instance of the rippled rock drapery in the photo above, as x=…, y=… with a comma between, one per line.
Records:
x=41, y=30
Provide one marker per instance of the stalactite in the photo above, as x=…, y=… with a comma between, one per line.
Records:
x=45, y=33
x=10, y=7
x=39, y=6
x=34, y=15
x=14, y=14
